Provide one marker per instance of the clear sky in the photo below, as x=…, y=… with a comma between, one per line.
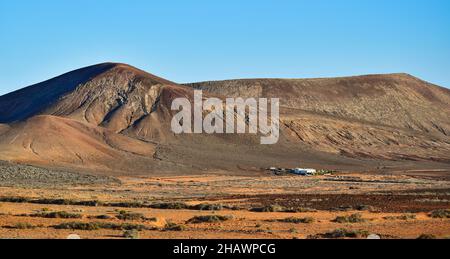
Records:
x=196, y=40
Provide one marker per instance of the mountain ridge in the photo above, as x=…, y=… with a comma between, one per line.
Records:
x=119, y=118
x=360, y=97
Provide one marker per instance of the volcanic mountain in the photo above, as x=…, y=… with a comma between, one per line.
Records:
x=115, y=119
x=395, y=116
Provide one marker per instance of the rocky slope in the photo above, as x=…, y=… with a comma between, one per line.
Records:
x=394, y=117
x=397, y=100
x=55, y=141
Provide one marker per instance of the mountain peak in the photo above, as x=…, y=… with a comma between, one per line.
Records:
x=67, y=93
x=139, y=73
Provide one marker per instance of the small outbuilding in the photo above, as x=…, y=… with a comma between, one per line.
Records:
x=304, y=172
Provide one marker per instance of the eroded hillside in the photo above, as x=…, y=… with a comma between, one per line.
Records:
x=114, y=118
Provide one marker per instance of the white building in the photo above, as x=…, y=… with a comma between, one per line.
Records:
x=303, y=171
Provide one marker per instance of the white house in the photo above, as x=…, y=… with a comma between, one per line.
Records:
x=303, y=171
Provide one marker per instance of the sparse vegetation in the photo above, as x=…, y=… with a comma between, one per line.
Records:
x=228, y=207
x=106, y=218
x=441, y=214
x=53, y=201
x=57, y=215
x=170, y=206
x=101, y=217
x=343, y=208
x=18, y=175
x=50, y=201
x=342, y=233
x=78, y=226
x=126, y=226
x=401, y=217
x=173, y=227
x=278, y=208
x=91, y=203
x=100, y=225
x=293, y=231
x=66, y=202
x=269, y=208
x=354, y=218
x=24, y=226
x=131, y=234
x=14, y=199
x=303, y=209
x=205, y=206
x=209, y=219
x=95, y=203
x=133, y=204
x=325, y=172
x=184, y=206
x=306, y=220
x=124, y=215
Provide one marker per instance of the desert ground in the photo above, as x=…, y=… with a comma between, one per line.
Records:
x=339, y=205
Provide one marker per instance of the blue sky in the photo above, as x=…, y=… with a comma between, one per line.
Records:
x=195, y=40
